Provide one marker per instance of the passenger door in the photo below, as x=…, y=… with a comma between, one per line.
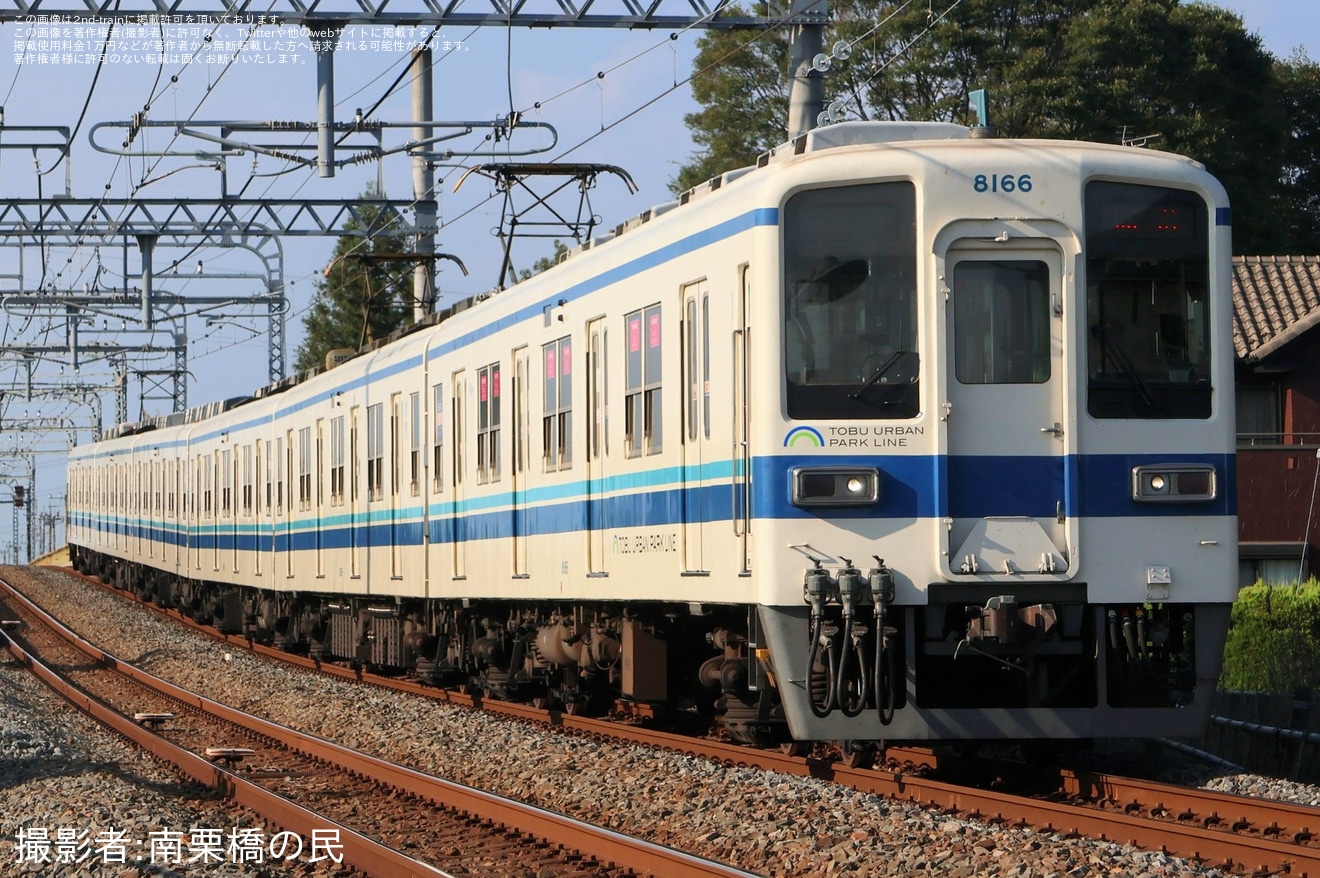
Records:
x=1008, y=428
x=741, y=452
x=597, y=444
x=457, y=473
x=518, y=467
x=695, y=427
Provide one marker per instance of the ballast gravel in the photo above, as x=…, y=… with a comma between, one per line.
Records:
x=770, y=824
x=76, y=799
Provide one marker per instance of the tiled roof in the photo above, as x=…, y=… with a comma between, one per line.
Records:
x=1275, y=300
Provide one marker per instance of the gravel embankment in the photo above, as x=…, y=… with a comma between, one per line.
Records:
x=99, y=800
x=772, y=824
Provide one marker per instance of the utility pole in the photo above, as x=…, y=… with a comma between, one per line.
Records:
x=423, y=186
x=806, y=92
x=49, y=519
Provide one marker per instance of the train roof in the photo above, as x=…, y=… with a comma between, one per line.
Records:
x=838, y=136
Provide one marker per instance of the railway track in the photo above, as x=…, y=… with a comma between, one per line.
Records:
x=364, y=809
x=1234, y=833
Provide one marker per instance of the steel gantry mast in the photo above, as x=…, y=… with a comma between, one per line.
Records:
x=322, y=17
x=259, y=224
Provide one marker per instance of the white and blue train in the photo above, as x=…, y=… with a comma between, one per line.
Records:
x=903, y=434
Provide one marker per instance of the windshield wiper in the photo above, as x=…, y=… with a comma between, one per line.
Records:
x=1124, y=364
x=894, y=359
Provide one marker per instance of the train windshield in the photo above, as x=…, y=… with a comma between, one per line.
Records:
x=1147, y=302
x=850, y=302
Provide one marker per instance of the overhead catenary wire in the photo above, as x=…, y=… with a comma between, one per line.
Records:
x=606, y=126
x=119, y=161
x=133, y=189
x=290, y=168
x=680, y=83
x=880, y=68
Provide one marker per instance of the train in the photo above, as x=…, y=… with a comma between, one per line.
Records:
x=904, y=434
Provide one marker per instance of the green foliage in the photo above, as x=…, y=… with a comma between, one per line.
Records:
x=545, y=262
x=1274, y=639
x=744, y=96
x=1186, y=74
x=363, y=296
x=1299, y=200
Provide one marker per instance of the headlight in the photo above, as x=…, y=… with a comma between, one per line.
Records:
x=835, y=486
x=1174, y=483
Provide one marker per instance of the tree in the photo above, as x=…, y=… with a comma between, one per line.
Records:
x=745, y=102
x=1191, y=74
x=1185, y=73
x=362, y=296
x=1299, y=196
x=545, y=262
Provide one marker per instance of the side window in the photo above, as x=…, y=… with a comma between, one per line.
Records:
x=318, y=464
x=247, y=480
x=287, y=486
x=337, y=461
x=488, y=423
x=438, y=440
x=305, y=468
x=643, y=412
x=208, y=481
x=595, y=394
x=690, y=367
x=263, y=461
x=521, y=366
x=557, y=422
x=456, y=470
x=279, y=475
x=354, y=448
x=226, y=488
x=705, y=363
x=415, y=443
x=396, y=436
x=375, y=450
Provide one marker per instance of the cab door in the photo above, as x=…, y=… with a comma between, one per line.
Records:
x=1008, y=427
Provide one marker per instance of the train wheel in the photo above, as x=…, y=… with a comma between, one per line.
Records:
x=858, y=754
x=795, y=748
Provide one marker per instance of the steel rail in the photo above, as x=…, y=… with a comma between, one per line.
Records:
x=1195, y=837
x=358, y=850
x=603, y=844
x=1238, y=814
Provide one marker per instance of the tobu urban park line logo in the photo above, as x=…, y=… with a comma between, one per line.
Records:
x=807, y=437
x=846, y=436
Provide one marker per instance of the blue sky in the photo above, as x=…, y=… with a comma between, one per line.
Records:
x=556, y=68
x=1281, y=24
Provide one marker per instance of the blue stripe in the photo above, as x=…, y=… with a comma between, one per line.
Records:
x=764, y=216
x=1091, y=486
x=1223, y=216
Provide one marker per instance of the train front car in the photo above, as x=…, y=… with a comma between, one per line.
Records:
x=999, y=501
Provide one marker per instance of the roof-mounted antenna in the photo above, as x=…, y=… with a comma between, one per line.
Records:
x=1129, y=139
x=981, y=106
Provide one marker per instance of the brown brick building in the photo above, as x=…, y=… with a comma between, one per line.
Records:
x=1276, y=336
